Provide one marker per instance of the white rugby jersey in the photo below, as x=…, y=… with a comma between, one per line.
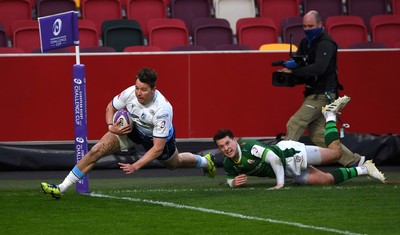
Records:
x=153, y=119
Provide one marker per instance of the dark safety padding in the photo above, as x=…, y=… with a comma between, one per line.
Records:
x=383, y=149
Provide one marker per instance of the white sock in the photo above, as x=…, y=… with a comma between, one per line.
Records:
x=70, y=180
x=202, y=162
x=329, y=116
x=362, y=170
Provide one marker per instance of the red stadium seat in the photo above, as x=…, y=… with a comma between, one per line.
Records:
x=88, y=35
x=346, y=30
x=385, y=29
x=99, y=11
x=367, y=8
x=11, y=50
x=166, y=33
x=279, y=10
x=13, y=10
x=26, y=35
x=256, y=31
x=396, y=7
x=144, y=10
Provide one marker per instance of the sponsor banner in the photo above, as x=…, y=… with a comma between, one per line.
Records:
x=58, y=31
x=80, y=121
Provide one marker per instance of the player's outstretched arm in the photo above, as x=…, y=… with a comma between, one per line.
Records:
x=238, y=181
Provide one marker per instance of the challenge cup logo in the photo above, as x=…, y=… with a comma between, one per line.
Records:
x=57, y=25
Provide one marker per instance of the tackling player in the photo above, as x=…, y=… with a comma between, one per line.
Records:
x=153, y=128
x=290, y=159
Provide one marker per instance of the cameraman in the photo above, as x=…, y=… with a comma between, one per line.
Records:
x=321, y=85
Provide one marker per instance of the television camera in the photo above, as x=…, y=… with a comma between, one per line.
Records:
x=286, y=79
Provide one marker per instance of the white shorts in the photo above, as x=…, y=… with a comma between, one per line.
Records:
x=296, y=164
x=124, y=142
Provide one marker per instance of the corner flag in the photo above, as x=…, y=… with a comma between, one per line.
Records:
x=58, y=31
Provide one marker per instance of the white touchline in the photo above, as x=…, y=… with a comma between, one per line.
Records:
x=236, y=215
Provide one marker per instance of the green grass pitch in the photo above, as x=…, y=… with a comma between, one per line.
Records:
x=198, y=205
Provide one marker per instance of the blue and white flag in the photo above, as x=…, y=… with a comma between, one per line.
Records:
x=58, y=31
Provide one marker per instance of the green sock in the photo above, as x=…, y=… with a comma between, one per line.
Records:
x=343, y=174
x=331, y=132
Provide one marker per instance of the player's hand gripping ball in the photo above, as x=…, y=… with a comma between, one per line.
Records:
x=124, y=118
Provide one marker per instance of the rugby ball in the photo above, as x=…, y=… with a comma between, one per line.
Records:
x=123, y=116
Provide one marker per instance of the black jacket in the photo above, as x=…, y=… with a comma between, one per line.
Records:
x=320, y=72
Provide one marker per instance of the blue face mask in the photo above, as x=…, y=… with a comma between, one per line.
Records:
x=311, y=34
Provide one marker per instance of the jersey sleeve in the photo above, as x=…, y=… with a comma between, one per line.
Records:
x=162, y=123
x=120, y=100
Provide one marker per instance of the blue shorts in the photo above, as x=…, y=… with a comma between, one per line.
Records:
x=147, y=143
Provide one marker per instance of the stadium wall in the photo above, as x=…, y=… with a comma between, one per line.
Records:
x=208, y=91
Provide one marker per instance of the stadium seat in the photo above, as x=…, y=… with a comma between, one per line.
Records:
x=293, y=26
x=3, y=37
x=367, y=45
x=233, y=10
x=325, y=8
x=189, y=48
x=50, y=7
x=346, y=30
x=256, y=31
x=188, y=10
x=232, y=47
x=144, y=10
x=70, y=49
x=385, y=29
x=99, y=11
x=166, y=33
x=88, y=35
x=26, y=35
x=141, y=49
x=210, y=32
x=98, y=49
x=119, y=34
x=33, y=3
x=13, y=10
x=278, y=47
x=11, y=50
x=396, y=7
x=279, y=10
x=367, y=8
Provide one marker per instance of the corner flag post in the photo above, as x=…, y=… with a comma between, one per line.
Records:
x=57, y=31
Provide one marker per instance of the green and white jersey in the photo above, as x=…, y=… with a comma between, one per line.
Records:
x=252, y=159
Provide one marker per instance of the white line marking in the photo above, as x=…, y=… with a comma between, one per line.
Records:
x=236, y=215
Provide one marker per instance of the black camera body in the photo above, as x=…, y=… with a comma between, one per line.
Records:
x=282, y=79
x=286, y=79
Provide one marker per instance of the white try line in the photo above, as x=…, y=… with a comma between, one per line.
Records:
x=236, y=215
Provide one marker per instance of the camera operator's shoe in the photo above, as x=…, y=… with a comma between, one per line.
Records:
x=211, y=169
x=336, y=105
x=51, y=189
x=374, y=172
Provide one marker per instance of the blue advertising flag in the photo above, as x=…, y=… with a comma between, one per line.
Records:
x=59, y=30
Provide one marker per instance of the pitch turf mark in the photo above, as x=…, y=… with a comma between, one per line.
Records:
x=236, y=215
